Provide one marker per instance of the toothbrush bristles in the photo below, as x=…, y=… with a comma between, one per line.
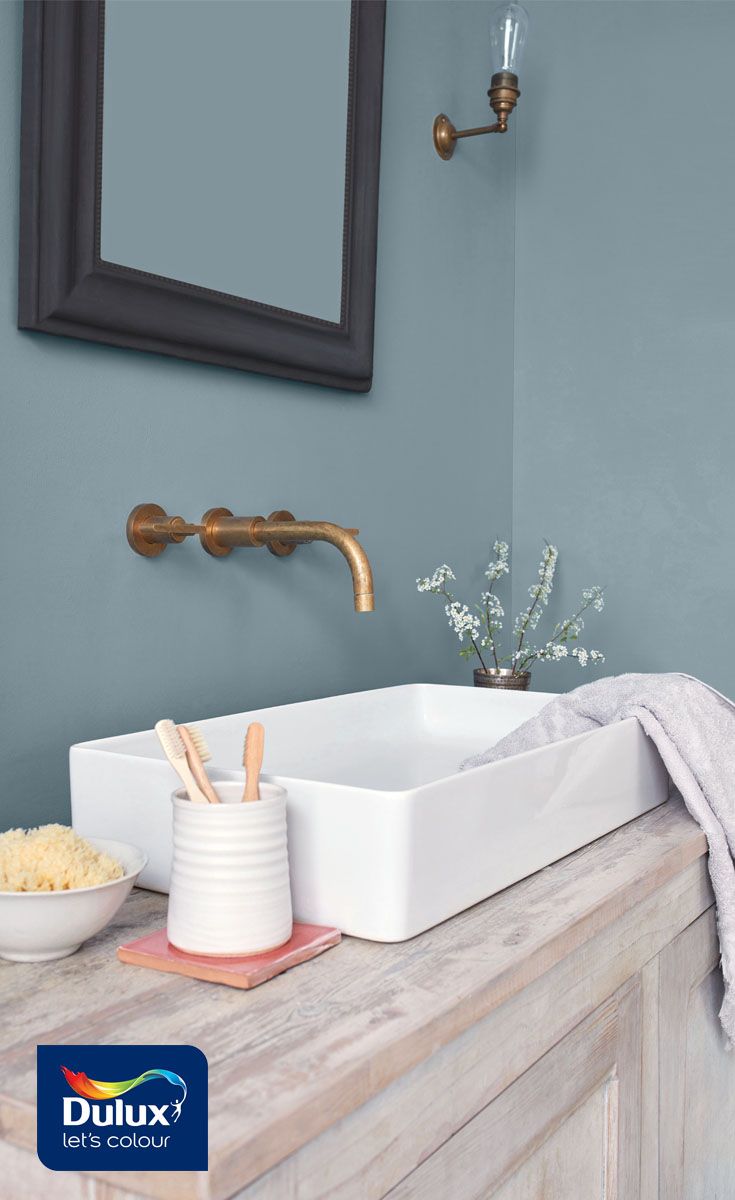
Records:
x=200, y=743
x=170, y=739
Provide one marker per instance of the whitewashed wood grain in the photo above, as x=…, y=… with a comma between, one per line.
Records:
x=369, y=1151
x=600, y=1058
x=697, y=1073
x=289, y=1060
x=23, y=1177
x=570, y=1162
x=650, y=1071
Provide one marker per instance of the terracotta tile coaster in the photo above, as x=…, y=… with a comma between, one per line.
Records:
x=155, y=951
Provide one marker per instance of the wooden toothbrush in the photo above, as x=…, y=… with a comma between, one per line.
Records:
x=197, y=753
x=252, y=760
x=175, y=751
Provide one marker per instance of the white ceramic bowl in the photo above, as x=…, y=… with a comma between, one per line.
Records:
x=35, y=926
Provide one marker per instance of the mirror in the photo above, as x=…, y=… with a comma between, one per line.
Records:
x=200, y=178
x=239, y=139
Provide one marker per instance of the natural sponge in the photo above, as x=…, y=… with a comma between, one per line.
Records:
x=52, y=858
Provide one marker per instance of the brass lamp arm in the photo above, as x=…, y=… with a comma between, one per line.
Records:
x=498, y=127
x=503, y=94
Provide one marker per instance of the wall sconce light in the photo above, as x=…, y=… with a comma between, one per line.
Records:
x=508, y=30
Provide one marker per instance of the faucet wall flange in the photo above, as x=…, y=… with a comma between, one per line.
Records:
x=281, y=549
x=150, y=530
x=207, y=536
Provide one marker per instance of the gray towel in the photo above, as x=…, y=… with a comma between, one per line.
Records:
x=693, y=727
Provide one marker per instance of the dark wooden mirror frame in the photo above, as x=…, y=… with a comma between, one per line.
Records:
x=66, y=288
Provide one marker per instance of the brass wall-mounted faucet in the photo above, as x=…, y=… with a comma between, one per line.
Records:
x=150, y=530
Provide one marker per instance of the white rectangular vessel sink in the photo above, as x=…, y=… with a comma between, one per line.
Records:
x=386, y=836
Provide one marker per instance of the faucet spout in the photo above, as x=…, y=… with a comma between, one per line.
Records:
x=290, y=533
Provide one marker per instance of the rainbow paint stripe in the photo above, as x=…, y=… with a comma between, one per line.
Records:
x=97, y=1089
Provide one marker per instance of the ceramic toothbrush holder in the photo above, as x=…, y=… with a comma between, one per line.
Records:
x=230, y=890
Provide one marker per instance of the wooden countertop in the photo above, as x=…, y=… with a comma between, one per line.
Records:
x=289, y=1059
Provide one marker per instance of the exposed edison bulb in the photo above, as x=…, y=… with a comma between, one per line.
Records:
x=508, y=30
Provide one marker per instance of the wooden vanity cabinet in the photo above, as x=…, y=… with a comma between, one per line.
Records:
x=559, y=1041
x=696, y=1074
x=568, y=1127
x=605, y=1077
x=638, y=1101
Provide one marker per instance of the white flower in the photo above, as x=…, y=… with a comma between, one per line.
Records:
x=493, y=606
x=477, y=628
x=595, y=597
x=528, y=619
x=553, y=652
x=501, y=565
x=546, y=570
x=539, y=592
x=437, y=580
x=462, y=621
x=584, y=656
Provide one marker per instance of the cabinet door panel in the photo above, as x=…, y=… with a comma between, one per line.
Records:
x=568, y=1127
x=558, y=1168
x=696, y=1072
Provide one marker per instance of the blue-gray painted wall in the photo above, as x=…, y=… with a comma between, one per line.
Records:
x=624, y=417
x=619, y=390
x=96, y=641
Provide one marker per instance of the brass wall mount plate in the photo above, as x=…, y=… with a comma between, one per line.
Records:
x=207, y=535
x=281, y=549
x=139, y=530
x=445, y=137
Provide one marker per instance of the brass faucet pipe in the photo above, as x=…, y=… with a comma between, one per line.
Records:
x=282, y=534
x=150, y=530
x=343, y=539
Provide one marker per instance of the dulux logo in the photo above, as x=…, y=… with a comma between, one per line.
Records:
x=79, y=1109
x=135, y=1117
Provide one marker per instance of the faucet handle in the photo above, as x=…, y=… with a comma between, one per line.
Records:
x=150, y=530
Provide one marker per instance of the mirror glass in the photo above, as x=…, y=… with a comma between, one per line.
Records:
x=223, y=150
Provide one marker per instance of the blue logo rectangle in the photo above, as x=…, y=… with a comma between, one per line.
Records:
x=122, y=1108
